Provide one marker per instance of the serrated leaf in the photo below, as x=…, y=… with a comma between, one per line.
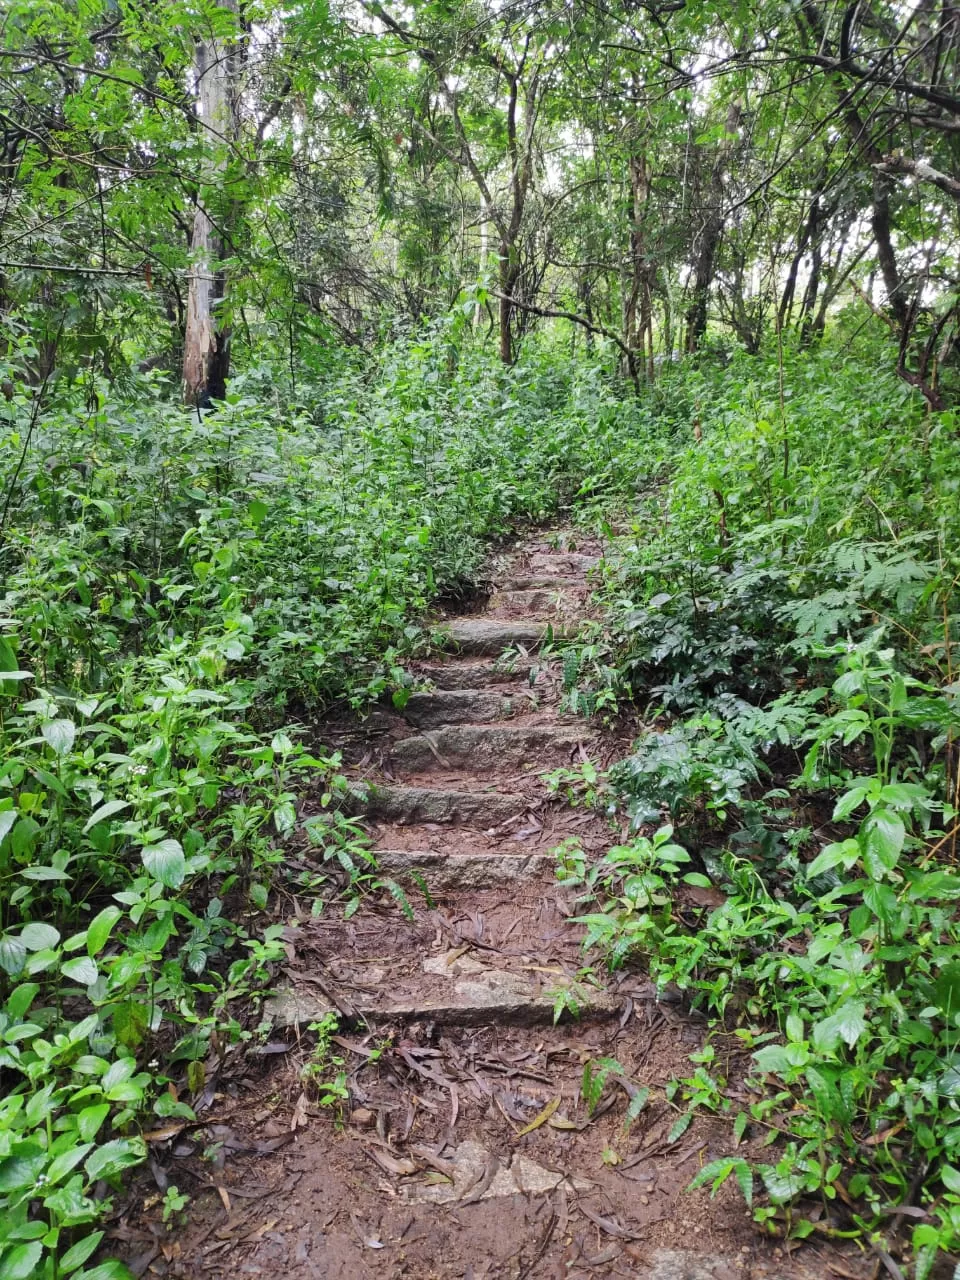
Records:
x=843, y=851
x=849, y=801
x=166, y=862
x=781, y=1186
x=114, y=1156
x=60, y=735
x=847, y=1024
x=22, y=1168
x=680, y=1126
x=21, y=1261
x=66, y=1161
x=881, y=838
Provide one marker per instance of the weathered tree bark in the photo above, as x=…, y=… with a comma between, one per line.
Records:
x=206, y=347
x=710, y=235
x=520, y=152
x=637, y=304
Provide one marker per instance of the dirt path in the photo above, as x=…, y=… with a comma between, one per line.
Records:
x=467, y=1150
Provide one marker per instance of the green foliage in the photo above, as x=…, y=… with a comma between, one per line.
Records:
x=825, y=911
x=174, y=584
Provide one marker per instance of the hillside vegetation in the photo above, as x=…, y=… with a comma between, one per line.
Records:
x=301, y=308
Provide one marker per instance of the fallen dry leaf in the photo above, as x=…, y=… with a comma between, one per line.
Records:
x=165, y=1134
x=542, y=1118
x=300, y=1117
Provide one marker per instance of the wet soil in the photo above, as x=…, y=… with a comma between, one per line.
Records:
x=466, y=1149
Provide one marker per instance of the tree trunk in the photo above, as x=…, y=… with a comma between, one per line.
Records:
x=710, y=236
x=509, y=278
x=206, y=347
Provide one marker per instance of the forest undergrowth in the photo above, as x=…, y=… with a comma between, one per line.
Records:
x=783, y=614
x=186, y=593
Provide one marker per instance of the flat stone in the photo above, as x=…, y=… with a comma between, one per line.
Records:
x=539, y=601
x=444, y=872
x=482, y=747
x=456, y=706
x=562, y=562
x=517, y=1175
x=468, y=996
x=537, y=581
x=426, y=804
x=477, y=635
x=678, y=1264
x=458, y=675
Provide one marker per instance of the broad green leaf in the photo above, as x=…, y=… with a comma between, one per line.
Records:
x=849, y=801
x=105, y=811
x=100, y=928
x=22, y=1167
x=847, y=1024
x=77, y=1254
x=114, y=1156
x=81, y=969
x=90, y=1120
x=13, y=954
x=111, y=1270
x=21, y=998
x=60, y=735
x=36, y=936
x=844, y=852
x=166, y=862
x=773, y=1058
x=20, y=1262
x=881, y=838
x=67, y=1161
x=947, y=989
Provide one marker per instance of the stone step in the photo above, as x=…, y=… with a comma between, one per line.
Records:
x=539, y=581
x=483, y=636
x=460, y=675
x=453, y=872
x=455, y=989
x=562, y=562
x=479, y=809
x=485, y=747
x=537, y=601
x=459, y=706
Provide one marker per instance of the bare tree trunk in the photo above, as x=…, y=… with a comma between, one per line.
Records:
x=206, y=348
x=509, y=275
x=710, y=236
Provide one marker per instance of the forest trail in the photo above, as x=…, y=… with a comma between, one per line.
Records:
x=467, y=1149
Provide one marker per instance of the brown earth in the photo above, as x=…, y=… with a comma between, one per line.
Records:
x=466, y=1149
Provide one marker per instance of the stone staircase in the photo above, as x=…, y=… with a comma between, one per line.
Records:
x=456, y=783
